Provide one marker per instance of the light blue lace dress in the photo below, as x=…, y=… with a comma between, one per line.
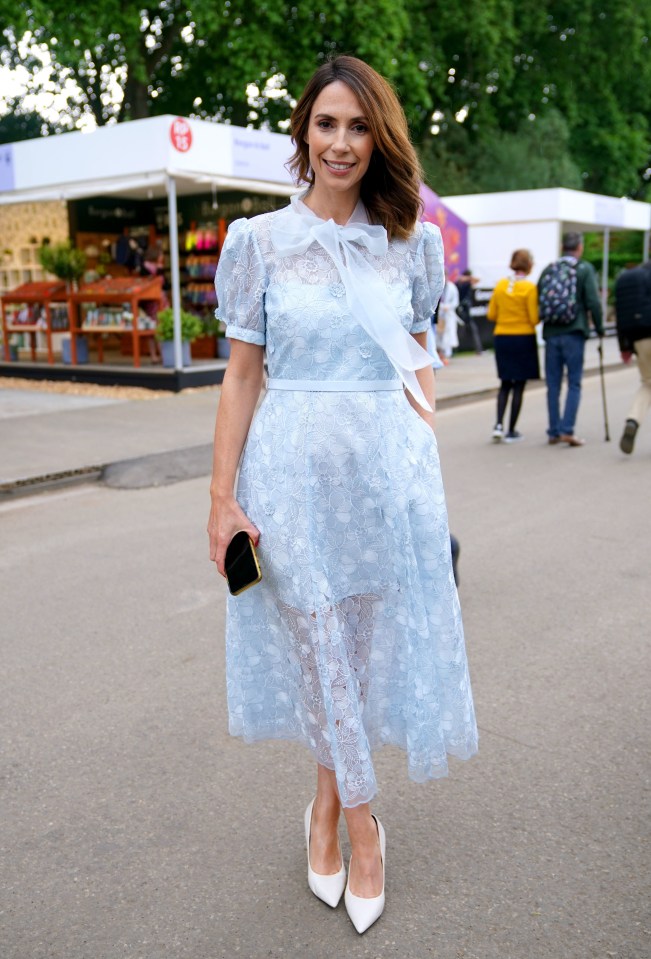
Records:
x=353, y=639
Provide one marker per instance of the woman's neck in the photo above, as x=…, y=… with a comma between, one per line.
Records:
x=332, y=206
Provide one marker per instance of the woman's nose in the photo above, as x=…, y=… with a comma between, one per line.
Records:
x=341, y=140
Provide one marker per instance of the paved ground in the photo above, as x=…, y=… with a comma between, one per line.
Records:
x=66, y=433
x=133, y=827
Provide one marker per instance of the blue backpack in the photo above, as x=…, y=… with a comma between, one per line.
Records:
x=557, y=293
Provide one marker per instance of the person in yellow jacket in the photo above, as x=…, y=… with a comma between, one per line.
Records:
x=514, y=310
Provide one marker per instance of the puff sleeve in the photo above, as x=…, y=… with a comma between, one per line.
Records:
x=241, y=283
x=429, y=277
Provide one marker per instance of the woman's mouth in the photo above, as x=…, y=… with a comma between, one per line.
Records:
x=338, y=167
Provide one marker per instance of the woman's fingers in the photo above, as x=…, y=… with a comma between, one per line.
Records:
x=223, y=524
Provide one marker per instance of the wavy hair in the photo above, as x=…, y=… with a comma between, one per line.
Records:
x=390, y=188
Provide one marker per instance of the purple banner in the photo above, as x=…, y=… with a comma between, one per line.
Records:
x=453, y=229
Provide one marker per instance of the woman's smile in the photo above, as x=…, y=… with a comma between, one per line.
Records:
x=336, y=166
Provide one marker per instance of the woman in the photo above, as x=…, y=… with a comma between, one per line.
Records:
x=353, y=638
x=513, y=308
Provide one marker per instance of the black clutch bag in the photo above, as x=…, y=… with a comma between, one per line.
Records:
x=241, y=565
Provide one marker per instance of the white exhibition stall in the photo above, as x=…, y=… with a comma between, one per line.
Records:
x=146, y=159
x=499, y=223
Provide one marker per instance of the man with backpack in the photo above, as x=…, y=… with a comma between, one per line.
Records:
x=633, y=311
x=567, y=292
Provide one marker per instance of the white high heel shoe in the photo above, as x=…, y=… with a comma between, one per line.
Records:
x=364, y=912
x=327, y=888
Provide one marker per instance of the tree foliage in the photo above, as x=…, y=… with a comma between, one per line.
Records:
x=509, y=94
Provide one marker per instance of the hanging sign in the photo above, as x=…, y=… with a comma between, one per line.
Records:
x=181, y=135
x=260, y=155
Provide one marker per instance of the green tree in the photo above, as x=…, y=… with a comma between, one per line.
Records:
x=537, y=155
x=483, y=87
x=18, y=125
x=592, y=62
x=115, y=46
x=200, y=57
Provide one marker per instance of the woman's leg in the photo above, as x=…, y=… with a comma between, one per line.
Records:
x=365, y=870
x=516, y=402
x=325, y=852
x=502, y=400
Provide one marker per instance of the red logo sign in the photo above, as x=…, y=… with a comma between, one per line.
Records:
x=181, y=135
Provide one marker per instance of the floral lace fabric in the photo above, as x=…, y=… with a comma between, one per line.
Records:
x=353, y=639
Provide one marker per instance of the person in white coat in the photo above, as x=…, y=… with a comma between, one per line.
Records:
x=448, y=320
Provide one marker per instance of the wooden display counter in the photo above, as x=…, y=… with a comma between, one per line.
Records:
x=44, y=308
x=113, y=306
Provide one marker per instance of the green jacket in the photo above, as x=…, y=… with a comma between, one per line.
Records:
x=587, y=301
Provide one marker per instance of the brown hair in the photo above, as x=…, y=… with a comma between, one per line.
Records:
x=522, y=261
x=390, y=188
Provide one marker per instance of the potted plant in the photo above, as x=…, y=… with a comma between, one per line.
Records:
x=64, y=261
x=205, y=346
x=191, y=328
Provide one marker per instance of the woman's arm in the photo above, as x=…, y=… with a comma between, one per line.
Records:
x=491, y=313
x=532, y=305
x=427, y=383
x=239, y=395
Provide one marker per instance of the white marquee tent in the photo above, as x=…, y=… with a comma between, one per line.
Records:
x=499, y=223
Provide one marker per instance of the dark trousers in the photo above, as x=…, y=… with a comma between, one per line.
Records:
x=472, y=328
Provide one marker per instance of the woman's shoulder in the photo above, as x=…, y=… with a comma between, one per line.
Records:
x=425, y=232
x=254, y=231
x=257, y=225
x=425, y=239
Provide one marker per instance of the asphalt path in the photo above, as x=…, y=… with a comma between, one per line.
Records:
x=133, y=827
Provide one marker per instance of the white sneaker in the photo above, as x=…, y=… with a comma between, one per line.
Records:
x=498, y=433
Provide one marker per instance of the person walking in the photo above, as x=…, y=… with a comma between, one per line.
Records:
x=568, y=293
x=633, y=317
x=513, y=308
x=466, y=285
x=353, y=637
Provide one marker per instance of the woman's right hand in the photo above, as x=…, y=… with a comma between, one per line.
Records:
x=227, y=518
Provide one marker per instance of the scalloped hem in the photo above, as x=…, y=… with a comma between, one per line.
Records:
x=417, y=774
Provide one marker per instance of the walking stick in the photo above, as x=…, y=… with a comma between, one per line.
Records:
x=603, y=388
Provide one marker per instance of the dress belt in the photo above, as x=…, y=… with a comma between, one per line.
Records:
x=334, y=386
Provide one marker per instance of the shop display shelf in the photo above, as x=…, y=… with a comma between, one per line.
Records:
x=111, y=294
x=117, y=329
x=46, y=305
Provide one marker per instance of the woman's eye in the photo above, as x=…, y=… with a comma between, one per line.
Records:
x=360, y=128
x=324, y=124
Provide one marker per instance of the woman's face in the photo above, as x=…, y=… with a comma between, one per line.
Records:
x=339, y=141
